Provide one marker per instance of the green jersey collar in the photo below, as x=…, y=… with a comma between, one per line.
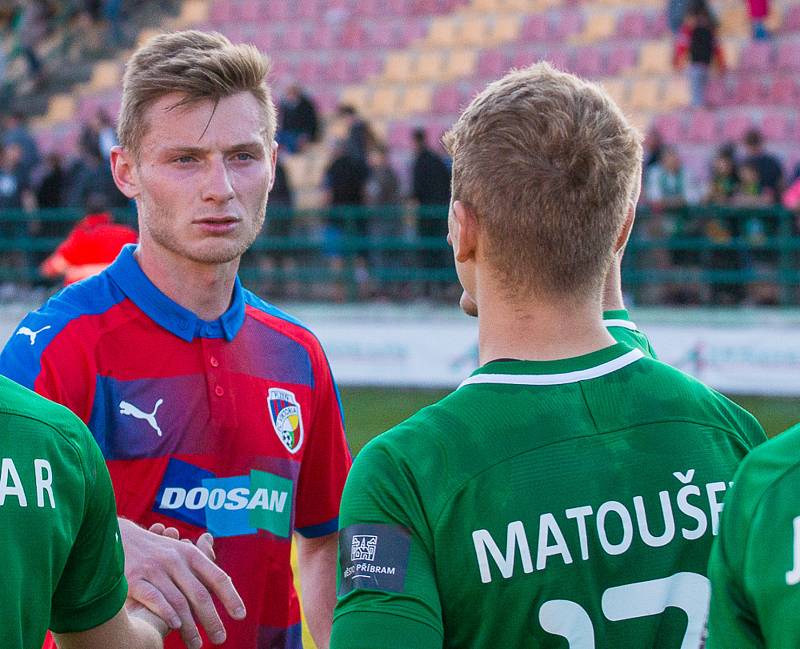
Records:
x=618, y=318
x=567, y=370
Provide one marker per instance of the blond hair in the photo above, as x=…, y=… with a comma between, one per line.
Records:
x=549, y=165
x=198, y=65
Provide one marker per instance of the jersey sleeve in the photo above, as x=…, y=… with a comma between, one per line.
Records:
x=624, y=330
x=386, y=581
x=54, y=365
x=92, y=588
x=326, y=460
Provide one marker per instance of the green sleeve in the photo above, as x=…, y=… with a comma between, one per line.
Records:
x=623, y=330
x=386, y=581
x=92, y=588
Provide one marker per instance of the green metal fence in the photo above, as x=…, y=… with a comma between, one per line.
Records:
x=696, y=255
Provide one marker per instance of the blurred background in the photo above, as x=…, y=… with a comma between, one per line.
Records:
x=355, y=237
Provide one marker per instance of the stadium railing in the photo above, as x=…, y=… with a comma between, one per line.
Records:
x=691, y=255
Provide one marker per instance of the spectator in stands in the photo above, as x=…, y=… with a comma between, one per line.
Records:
x=751, y=191
x=383, y=195
x=666, y=185
x=31, y=29
x=87, y=175
x=724, y=178
x=676, y=11
x=91, y=246
x=767, y=166
x=697, y=44
x=758, y=11
x=99, y=135
x=15, y=192
x=653, y=148
x=17, y=133
x=431, y=192
x=359, y=137
x=299, y=122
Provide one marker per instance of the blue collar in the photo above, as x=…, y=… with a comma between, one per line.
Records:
x=130, y=278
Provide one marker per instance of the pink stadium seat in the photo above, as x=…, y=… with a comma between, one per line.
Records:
x=789, y=56
x=734, y=127
x=382, y=34
x=324, y=37
x=589, y=62
x=221, y=12
x=412, y=29
x=250, y=11
x=775, y=126
x=399, y=135
x=524, y=57
x=717, y=92
x=368, y=8
x=566, y=23
x=658, y=25
x=397, y=7
x=273, y=10
x=703, y=126
x=791, y=21
x=446, y=100
x=784, y=90
x=558, y=58
x=309, y=71
x=264, y=39
x=633, y=24
x=294, y=37
x=671, y=128
x=338, y=69
x=621, y=57
x=756, y=57
x=367, y=66
x=307, y=9
x=749, y=90
x=491, y=64
x=354, y=36
x=535, y=28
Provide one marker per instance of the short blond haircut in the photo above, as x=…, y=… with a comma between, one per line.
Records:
x=198, y=65
x=549, y=165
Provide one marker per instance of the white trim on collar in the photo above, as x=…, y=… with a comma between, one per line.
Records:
x=627, y=324
x=558, y=379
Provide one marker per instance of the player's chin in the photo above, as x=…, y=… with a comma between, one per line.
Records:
x=219, y=250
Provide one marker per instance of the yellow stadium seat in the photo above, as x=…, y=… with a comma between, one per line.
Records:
x=473, y=31
x=505, y=29
x=617, y=89
x=429, y=65
x=733, y=21
x=398, y=66
x=61, y=108
x=442, y=32
x=599, y=26
x=645, y=94
x=355, y=96
x=775, y=19
x=731, y=52
x=417, y=99
x=656, y=58
x=461, y=63
x=384, y=101
x=192, y=12
x=676, y=93
x=106, y=74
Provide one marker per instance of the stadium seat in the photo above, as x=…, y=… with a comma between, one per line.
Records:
x=757, y=57
x=776, y=126
x=353, y=36
x=735, y=126
x=645, y=94
x=460, y=64
x=442, y=32
x=307, y=9
x=622, y=57
x=384, y=101
x=791, y=20
x=788, y=57
x=565, y=24
x=473, y=32
x=325, y=37
x=784, y=90
x=558, y=58
x=355, y=96
x=294, y=37
x=398, y=66
x=504, y=29
x=718, y=92
x=220, y=12
x=703, y=127
x=250, y=11
x=733, y=21
x=589, y=61
x=633, y=25
x=599, y=26
x=535, y=28
x=491, y=64
x=429, y=65
x=676, y=92
x=417, y=99
x=617, y=89
x=446, y=100
x=671, y=128
x=309, y=71
x=656, y=58
x=383, y=34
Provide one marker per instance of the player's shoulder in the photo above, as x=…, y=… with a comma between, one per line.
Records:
x=23, y=408
x=280, y=321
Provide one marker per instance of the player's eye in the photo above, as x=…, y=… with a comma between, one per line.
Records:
x=243, y=156
x=184, y=159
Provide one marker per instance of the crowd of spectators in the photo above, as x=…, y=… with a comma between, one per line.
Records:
x=747, y=240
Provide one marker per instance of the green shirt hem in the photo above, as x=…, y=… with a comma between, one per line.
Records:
x=92, y=614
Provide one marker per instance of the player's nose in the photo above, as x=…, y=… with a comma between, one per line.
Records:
x=218, y=186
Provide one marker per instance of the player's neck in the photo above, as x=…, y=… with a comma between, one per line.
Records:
x=203, y=289
x=539, y=330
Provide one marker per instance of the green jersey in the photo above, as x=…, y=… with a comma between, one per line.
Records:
x=620, y=326
x=59, y=539
x=755, y=564
x=566, y=503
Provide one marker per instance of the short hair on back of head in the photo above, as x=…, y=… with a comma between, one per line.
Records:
x=549, y=165
x=200, y=66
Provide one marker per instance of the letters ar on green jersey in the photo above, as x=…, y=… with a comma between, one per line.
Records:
x=59, y=538
x=554, y=504
x=755, y=564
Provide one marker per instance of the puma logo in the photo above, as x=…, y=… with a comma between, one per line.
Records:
x=25, y=331
x=126, y=408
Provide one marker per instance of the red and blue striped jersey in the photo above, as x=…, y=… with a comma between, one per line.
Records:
x=232, y=426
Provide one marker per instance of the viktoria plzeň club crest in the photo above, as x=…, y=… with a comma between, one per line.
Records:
x=285, y=414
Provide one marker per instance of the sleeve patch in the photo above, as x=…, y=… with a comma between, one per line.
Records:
x=373, y=557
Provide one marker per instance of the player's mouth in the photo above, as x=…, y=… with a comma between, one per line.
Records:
x=218, y=224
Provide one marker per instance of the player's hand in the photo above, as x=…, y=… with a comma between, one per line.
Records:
x=175, y=580
x=205, y=543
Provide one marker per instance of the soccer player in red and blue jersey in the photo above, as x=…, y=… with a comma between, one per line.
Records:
x=214, y=410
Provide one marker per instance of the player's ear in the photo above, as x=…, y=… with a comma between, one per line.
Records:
x=123, y=168
x=627, y=226
x=463, y=231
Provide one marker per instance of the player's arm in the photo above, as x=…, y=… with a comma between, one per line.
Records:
x=139, y=630
x=386, y=580
x=316, y=558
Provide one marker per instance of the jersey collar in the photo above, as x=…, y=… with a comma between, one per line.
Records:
x=568, y=370
x=128, y=275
